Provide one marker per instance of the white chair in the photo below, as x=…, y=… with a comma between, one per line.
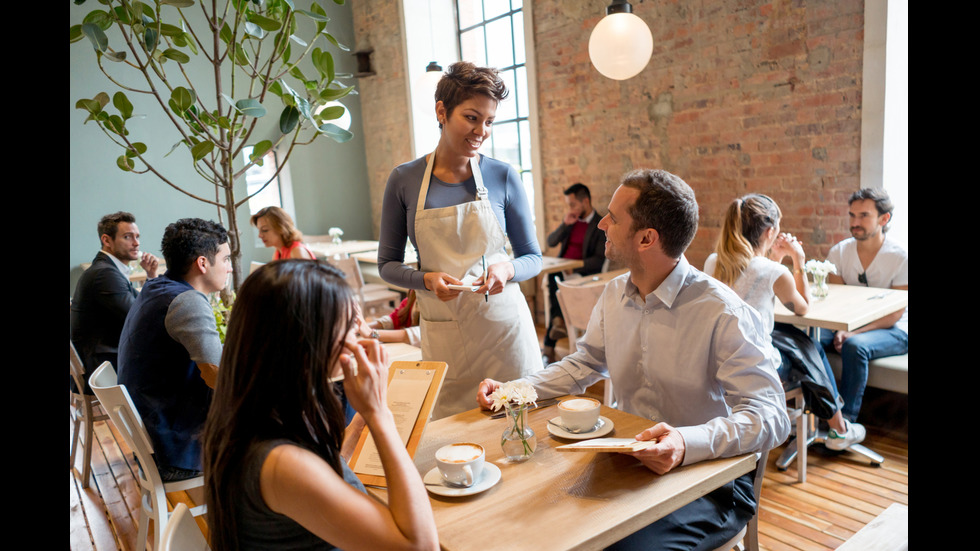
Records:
x=371, y=295
x=577, y=303
x=82, y=410
x=182, y=533
x=747, y=538
x=127, y=420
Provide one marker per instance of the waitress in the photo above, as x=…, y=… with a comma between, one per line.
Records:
x=457, y=207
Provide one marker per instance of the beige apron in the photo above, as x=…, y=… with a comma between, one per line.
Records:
x=478, y=339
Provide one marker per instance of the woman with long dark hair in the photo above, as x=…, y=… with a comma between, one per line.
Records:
x=274, y=448
x=751, y=231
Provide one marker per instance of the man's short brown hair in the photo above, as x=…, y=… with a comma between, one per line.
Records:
x=667, y=204
x=109, y=224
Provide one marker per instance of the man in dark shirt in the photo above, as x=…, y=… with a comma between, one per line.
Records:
x=580, y=239
x=104, y=295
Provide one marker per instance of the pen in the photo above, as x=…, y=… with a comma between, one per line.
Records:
x=486, y=294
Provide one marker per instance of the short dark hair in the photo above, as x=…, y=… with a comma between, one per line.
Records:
x=579, y=190
x=109, y=224
x=188, y=238
x=666, y=204
x=464, y=80
x=883, y=203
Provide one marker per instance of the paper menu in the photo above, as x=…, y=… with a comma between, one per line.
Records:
x=607, y=445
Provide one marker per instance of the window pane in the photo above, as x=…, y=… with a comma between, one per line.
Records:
x=528, y=180
x=469, y=13
x=493, y=8
x=499, y=43
x=525, y=128
x=507, y=109
x=505, y=145
x=472, y=46
x=519, y=54
x=523, y=107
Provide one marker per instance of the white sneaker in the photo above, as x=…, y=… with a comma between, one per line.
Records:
x=855, y=435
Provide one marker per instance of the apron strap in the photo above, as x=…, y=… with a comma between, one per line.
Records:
x=481, y=190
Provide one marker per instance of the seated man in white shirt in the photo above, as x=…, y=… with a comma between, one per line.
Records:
x=680, y=348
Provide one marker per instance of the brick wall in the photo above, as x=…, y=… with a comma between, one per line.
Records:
x=740, y=96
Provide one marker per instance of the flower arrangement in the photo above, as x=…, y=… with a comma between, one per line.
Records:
x=518, y=441
x=336, y=233
x=819, y=269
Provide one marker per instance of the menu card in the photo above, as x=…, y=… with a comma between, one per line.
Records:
x=412, y=391
x=607, y=445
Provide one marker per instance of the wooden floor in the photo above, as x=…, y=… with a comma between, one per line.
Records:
x=841, y=495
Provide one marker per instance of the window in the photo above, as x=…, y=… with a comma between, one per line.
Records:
x=279, y=192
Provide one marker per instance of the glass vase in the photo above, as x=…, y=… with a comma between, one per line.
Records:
x=518, y=441
x=820, y=288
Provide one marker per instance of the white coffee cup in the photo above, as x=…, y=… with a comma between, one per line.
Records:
x=579, y=414
x=461, y=464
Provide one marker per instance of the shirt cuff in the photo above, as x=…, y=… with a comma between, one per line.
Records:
x=697, y=444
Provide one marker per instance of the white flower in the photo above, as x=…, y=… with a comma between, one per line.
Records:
x=820, y=267
x=513, y=392
x=335, y=232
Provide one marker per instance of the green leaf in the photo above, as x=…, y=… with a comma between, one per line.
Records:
x=288, y=119
x=150, y=37
x=275, y=88
x=201, y=150
x=297, y=73
x=330, y=94
x=323, y=62
x=338, y=134
x=191, y=45
x=298, y=40
x=122, y=103
x=124, y=163
x=250, y=107
x=98, y=17
x=241, y=57
x=252, y=29
x=94, y=105
x=315, y=16
x=290, y=4
x=334, y=42
x=176, y=55
x=181, y=99
x=115, y=56
x=339, y=2
x=259, y=150
x=181, y=3
x=225, y=35
x=116, y=125
x=75, y=34
x=266, y=23
x=95, y=35
x=136, y=150
x=167, y=29
x=331, y=113
x=122, y=15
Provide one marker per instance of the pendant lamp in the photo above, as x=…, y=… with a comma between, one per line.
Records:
x=621, y=44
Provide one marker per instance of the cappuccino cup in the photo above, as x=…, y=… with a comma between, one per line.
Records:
x=460, y=464
x=579, y=414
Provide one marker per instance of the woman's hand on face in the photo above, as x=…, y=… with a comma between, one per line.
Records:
x=497, y=276
x=365, y=365
x=437, y=283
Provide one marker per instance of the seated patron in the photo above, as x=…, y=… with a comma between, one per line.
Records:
x=171, y=328
x=751, y=230
x=275, y=450
x=680, y=348
x=104, y=294
x=276, y=230
x=870, y=258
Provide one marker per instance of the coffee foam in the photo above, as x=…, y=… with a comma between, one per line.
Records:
x=579, y=404
x=459, y=453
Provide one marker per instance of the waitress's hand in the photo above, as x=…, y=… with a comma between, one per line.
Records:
x=497, y=276
x=437, y=282
x=365, y=365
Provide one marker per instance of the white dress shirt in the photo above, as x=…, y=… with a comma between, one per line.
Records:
x=691, y=354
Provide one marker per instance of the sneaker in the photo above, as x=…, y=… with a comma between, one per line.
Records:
x=839, y=442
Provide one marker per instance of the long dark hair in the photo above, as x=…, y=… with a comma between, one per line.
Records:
x=285, y=333
x=746, y=221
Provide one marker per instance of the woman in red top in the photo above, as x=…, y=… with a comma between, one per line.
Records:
x=276, y=229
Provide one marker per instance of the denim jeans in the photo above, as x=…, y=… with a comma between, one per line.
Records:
x=855, y=355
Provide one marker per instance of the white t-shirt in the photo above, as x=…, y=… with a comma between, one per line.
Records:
x=890, y=268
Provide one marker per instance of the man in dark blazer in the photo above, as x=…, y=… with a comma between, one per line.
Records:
x=104, y=294
x=580, y=239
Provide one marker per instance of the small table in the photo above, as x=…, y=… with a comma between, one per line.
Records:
x=560, y=500
x=327, y=249
x=551, y=264
x=847, y=307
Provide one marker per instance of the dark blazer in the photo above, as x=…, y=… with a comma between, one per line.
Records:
x=594, y=246
x=102, y=299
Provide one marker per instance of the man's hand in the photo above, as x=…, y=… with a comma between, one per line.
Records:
x=497, y=276
x=150, y=265
x=437, y=283
x=666, y=454
x=840, y=337
x=570, y=218
x=486, y=389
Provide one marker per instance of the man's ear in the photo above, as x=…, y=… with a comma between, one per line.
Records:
x=106, y=241
x=648, y=237
x=884, y=219
x=201, y=264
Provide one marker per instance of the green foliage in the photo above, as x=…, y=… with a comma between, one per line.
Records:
x=258, y=51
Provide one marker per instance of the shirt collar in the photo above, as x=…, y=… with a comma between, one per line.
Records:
x=123, y=268
x=588, y=218
x=668, y=290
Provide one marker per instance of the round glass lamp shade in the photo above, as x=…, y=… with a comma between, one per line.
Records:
x=620, y=46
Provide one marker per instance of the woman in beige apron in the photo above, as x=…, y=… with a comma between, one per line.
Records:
x=488, y=333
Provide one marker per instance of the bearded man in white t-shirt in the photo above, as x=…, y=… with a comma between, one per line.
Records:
x=869, y=258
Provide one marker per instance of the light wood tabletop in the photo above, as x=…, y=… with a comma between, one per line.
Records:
x=847, y=307
x=551, y=264
x=560, y=500
x=327, y=249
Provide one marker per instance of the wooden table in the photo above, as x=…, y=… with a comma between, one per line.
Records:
x=327, y=249
x=551, y=264
x=847, y=307
x=560, y=500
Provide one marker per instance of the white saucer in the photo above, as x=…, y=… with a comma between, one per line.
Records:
x=433, y=482
x=605, y=428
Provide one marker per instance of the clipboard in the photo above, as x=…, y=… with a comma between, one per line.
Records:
x=414, y=378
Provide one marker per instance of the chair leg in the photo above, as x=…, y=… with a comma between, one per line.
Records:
x=87, y=453
x=801, y=441
x=142, y=534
